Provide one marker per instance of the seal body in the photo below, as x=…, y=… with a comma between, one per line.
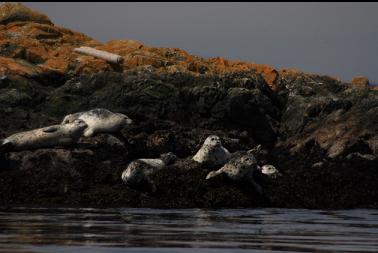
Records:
x=239, y=168
x=99, y=120
x=47, y=137
x=212, y=152
x=138, y=172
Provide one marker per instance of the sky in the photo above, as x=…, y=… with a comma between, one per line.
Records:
x=337, y=39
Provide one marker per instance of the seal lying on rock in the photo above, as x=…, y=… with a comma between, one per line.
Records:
x=239, y=168
x=47, y=137
x=99, y=120
x=138, y=172
x=212, y=152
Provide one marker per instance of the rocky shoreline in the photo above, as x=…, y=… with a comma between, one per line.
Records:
x=321, y=133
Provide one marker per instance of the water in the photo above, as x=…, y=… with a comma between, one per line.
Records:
x=181, y=230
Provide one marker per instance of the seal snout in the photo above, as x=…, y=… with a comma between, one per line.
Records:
x=128, y=121
x=80, y=123
x=213, y=140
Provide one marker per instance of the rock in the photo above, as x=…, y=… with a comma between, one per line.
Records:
x=332, y=115
x=10, y=12
x=3, y=161
x=13, y=97
x=361, y=156
x=113, y=141
x=177, y=99
x=360, y=81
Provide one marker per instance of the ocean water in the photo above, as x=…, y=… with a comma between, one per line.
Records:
x=87, y=230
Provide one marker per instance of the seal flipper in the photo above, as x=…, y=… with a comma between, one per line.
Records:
x=213, y=174
x=50, y=129
x=88, y=132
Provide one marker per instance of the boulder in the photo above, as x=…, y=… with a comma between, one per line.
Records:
x=360, y=81
x=16, y=12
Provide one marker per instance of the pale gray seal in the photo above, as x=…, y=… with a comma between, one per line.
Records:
x=239, y=168
x=212, y=152
x=99, y=120
x=138, y=172
x=47, y=137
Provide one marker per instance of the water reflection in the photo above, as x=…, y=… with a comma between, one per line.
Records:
x=179, y=230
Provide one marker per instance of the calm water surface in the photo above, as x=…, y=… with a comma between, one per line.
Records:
x=189, y=230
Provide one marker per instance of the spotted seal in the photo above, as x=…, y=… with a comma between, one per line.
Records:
x=138, y=173
x=212, y=152
x=240, y=168
x=47, y=137
x=99, y=120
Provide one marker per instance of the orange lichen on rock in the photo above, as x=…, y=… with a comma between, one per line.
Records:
x=9, y=66
x=10, y=12
x=360, y=81
x=30, y=36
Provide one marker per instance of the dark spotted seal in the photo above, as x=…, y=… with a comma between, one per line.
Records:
x=138, y=172
x=240, y=168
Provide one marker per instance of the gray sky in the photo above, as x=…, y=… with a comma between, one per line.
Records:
x=340, y=39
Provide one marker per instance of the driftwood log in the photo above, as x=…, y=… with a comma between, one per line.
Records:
x=109, y=57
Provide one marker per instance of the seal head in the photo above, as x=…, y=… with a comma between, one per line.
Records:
x=212, y=152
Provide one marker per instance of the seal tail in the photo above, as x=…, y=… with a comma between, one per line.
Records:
x=213, y=174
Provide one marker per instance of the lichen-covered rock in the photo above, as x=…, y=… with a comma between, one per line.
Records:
x=10, y=12
x=360, y=81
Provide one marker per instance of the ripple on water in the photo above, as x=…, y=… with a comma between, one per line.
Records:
x=180, y=230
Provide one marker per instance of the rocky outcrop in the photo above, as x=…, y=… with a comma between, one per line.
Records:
x=17, y=12
x=360, y=81
x=319, y=132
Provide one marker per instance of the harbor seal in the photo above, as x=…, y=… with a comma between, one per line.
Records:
x=47, y=137
x=239, y=168
x=138, y=172
x=212, y=152
x=99, y=120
